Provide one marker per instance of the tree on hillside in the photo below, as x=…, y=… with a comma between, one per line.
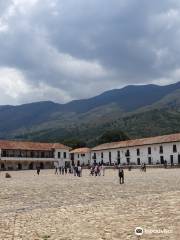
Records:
x=74, y=143
x=113, y=136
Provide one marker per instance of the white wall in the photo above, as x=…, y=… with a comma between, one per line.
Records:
x=61, y=161
x=155, y=155
x=82, y=159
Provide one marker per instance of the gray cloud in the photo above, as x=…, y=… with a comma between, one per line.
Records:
x=63, y=50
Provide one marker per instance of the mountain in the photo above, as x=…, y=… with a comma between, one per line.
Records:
x=128, y=98
x=140, y=111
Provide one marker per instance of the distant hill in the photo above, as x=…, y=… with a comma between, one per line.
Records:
x=138, y=110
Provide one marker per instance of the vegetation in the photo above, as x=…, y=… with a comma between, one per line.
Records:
x=132, y=112
x=113, y=136
x=74, y=143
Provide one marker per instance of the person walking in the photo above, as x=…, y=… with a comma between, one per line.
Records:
x=144, y=167
x=79, y=171
x=96, y=170
x=38, y=170
x=121, y=175
x=56, y=170
x=75, y=171
x=62, y=170
x=103, y=169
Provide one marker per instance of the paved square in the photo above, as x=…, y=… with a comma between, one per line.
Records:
x=90, y=208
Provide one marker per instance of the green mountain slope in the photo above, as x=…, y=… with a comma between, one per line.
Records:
x=150, y=115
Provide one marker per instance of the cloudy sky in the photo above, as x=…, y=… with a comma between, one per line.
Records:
x=61, y=50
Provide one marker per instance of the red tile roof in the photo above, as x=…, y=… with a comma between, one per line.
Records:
x=139, y=142
x=4, y=144
x=81, y=150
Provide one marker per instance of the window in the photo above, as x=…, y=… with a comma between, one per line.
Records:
x=102, y=155
x=94, y=156
x=127, y=153
x=174, y=148
x=118, y=157
x=110, y=158
x=149, y=150
x=138, y=161
x=138, y=152
x=78, y=155
x=32, y=154
x=4, y=153
x=65, y=155
x=59, y=154
x=149, y=160
x=128, y=160
x=161, y=149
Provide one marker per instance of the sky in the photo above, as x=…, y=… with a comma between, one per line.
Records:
x=61, y=50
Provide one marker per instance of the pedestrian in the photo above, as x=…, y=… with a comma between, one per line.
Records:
x=92, y=171
x=121, y=175
x=56, y=170
x=144, y=167
x=75, y=170
x=103, y=169
x=79, y=171
x=99, y=169
x=38, y=170
x=62, y=170
x=96, y=170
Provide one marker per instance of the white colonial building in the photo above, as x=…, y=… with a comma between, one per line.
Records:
x=17, y=155
x=153, y=150
x=81, y=156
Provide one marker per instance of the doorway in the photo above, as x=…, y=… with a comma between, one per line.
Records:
x=19, y=166
x=41, y=165
x=162, y=159
x=31, y=166
x=2, y=166
x=110, y=158
x=172, y=159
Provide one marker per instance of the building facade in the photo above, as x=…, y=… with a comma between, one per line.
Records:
x=154, y=150
x=17, y=155
x=81, y=156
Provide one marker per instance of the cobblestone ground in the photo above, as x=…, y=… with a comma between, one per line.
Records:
x=52, y=207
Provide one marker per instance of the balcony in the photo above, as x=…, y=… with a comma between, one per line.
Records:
x=27, y=159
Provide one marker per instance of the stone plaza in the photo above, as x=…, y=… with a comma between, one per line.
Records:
x=56, y=207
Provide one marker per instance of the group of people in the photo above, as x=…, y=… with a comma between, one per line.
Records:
x=76, y=170
x=97, y=169
x=62, y=170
